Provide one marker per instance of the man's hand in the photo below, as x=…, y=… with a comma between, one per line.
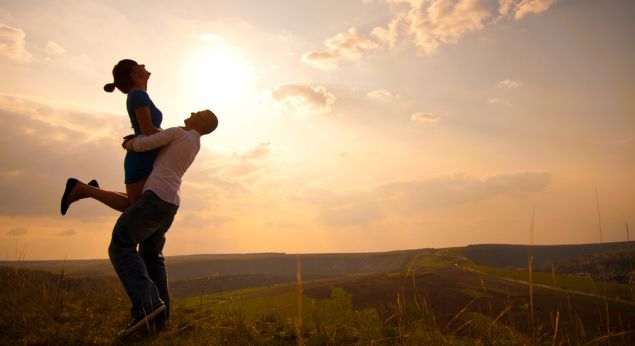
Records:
x=127, y=142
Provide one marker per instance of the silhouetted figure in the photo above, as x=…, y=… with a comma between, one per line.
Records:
x=131, y=79
x=144, y=224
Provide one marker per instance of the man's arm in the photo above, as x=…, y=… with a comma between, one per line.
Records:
x=157, y=140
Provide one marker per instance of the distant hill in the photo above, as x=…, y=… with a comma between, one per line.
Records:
x=77, y=267
x=515, y=256
x=283, y=264
x=280, y=267
x=272, y=264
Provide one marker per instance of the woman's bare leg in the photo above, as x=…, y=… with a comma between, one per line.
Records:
x=116, y=200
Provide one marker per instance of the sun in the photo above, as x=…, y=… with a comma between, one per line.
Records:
x=216, y=77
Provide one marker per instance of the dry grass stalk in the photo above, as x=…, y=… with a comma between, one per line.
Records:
x=459, y=314
x=491, y=310
x=298, y=325
x=608, y=321
x=555, y=332
x=597, y=200
x=530, y=259
x=463, y=325
x=631, y=276
x=607, y=337
x=581, y=331
x=509, y=308
x=203, y=290
x=400, y=315
x=59, y=300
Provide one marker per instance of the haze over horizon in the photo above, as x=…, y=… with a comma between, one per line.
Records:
x=356, y=126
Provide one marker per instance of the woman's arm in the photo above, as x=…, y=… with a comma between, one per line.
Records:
x=144, y=118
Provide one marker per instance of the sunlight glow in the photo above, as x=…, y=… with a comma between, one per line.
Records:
x=216, y=77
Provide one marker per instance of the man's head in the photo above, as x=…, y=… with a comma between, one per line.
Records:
x=203, y=121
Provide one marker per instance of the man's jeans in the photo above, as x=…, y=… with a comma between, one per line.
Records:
x=143, y=272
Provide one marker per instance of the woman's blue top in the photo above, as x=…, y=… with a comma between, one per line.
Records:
x=138, y=166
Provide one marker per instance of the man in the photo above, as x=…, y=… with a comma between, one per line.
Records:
x=145, y=223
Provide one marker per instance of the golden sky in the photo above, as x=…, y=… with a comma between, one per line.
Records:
x=345, y=126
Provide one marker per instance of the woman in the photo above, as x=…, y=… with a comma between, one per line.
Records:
x=131, y=79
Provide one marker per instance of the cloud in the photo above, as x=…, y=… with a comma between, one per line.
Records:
x=283, y=224
x=43, y=143
x=413, y=197
x=382, y=94
x=241, y=169
x=79, y=62
x=204, y=187
x=428, y=24
x=353, y=208
x=505, y=6
x=195, y=219
x=444, y=21
x=54, y=49
x=509, y=84
x=460, y=188
x=13, y=44
x=67, y=233
x=526, y=7
x=303, y=97
x=497, y=101
x=518, y=9
x=246, y=162
x=259, y=151
x=211, y=38
x=425, y=118
x=216, y=177
x=389, y=35
x=18, y=231
x=5, y=16
x=347, y=46
x=350, y=215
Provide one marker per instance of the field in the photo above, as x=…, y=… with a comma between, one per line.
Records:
x=425, y=297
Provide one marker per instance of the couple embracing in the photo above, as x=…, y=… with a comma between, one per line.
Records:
x=155, y=163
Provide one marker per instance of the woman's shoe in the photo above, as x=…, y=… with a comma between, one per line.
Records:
x=70, y=184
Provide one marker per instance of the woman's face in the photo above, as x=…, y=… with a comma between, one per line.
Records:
x=140, y=74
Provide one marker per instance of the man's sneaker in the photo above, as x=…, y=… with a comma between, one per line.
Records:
x=138, y=322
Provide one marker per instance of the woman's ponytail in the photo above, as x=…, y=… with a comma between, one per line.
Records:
x=110, y=87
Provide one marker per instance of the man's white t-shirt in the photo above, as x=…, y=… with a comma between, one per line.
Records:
x=178, y=150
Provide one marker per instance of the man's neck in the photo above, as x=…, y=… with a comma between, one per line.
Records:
x=187, y=128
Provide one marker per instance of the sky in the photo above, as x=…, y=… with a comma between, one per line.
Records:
x=345, y=126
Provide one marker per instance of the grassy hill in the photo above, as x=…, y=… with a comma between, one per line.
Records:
x=414, y=298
